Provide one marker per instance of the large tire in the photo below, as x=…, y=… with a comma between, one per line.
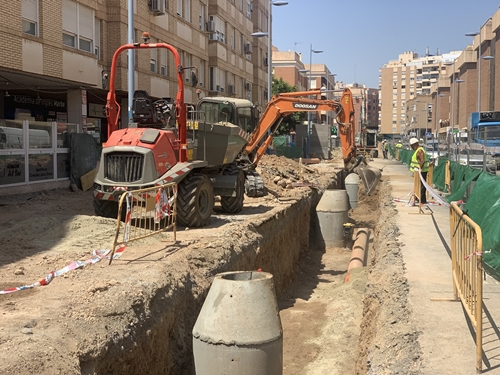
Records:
x=195, y=201
x=233, y=205
x=106, y=208
x=254, y=184
x=109, y=209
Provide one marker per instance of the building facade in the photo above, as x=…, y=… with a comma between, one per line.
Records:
x=56, y=62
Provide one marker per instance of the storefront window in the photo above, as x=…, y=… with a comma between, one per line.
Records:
x=11, y=169
x=11, y=134
x=40, y=134
x=64, y=131
x=41, y=167
x=62, y=165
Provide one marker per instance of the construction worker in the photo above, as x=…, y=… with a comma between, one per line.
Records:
x=385, y=148
x=420, y=160
x=399, y=145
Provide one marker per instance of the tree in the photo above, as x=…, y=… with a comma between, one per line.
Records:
x=289, y=122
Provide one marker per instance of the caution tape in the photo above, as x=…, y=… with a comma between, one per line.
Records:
x=97, y=255
x=476, y=253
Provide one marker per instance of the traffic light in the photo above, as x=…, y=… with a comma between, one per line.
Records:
x=334, y=130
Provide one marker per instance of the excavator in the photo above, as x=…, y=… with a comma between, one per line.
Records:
x=215, y=156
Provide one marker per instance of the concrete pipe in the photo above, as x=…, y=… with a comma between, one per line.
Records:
x=333, y=212
x=359, y=251
x=352, y=188
x=238, y=330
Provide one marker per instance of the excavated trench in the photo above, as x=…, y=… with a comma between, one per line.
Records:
x=160, y=340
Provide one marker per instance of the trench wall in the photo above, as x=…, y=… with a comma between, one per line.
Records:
x=161, y=341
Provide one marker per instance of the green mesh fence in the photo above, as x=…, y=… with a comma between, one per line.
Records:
x=483, y=206
x=279, y=141
x=290, y=152
x=483, y=203
x=439, y=174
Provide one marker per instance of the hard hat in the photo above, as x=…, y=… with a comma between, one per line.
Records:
x=413, y=141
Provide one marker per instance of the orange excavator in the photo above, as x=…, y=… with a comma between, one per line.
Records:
x=215, y=155
x=284, y=104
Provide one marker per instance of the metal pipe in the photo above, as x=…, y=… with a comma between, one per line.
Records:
x=131, y=60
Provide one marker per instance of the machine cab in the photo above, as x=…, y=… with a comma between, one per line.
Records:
x=238, y=112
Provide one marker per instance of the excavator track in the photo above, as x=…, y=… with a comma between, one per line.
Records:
x=254, y=184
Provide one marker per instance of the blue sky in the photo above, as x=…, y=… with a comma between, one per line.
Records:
x=358, y=36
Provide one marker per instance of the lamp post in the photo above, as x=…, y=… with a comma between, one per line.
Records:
x=453, y=111
x=311, y=51
x=269, y=34
x=436, y=142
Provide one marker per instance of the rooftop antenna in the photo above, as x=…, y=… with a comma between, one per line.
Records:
x=354, y=72
x=294, y=44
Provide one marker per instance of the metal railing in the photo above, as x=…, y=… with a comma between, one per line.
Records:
x=467, y=269
x=147, y=212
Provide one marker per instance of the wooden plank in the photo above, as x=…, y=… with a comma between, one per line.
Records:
x=88, y=180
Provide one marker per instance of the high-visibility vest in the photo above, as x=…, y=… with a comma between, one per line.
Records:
x=414, y=161
x=399, y=145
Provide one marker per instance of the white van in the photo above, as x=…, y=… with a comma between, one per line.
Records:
x=13, y=138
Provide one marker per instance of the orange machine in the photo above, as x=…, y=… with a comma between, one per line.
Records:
x=284, y=104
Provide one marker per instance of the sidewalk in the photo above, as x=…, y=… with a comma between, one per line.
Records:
x=447, y=343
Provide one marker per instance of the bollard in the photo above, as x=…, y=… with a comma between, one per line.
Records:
x=238, y=330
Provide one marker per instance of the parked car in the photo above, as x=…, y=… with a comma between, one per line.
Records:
x=476, y=160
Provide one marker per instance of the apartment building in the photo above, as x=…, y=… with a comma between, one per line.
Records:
x=56, y=61
x=402, y=80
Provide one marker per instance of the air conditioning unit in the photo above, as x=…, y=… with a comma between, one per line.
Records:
x=211, y=26
x=266, y=61
x=248, y=86
x=248, y=48
x=230, y=89
x=217, y=88
x=157, y=7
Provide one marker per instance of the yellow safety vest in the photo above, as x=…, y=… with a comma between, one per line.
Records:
x=414, y=161
x=399, y=145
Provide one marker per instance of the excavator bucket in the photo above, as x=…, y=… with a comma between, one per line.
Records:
x=370, y=177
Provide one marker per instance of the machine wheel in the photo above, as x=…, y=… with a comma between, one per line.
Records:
x=106, y=208
x=233, y=205
x=195, y=201
x=254, y=184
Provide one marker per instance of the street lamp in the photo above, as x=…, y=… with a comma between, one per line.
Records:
x=269, y=34
x=311, y=51
x=453, y=111
x=436, y=138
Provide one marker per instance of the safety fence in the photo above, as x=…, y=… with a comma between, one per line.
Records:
x=467, y=269
x=147, y=212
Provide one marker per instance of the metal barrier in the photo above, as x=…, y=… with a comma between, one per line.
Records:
x=447, y=177
x=467, y=269
x=148, y=212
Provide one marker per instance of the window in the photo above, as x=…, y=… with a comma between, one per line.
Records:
x=219, y=31
x=184, y=9
x=153, y=57
x=201, y=74
x=249, y=9
x=187, y=61
x=179, y=8
x=232, y=37
x=203, y=11
x=163, y=61
x=78, y=26
x=97, y=40
x=30, y=17
x=217, y=79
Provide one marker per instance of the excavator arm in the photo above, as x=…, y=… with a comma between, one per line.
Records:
x=284, y=104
